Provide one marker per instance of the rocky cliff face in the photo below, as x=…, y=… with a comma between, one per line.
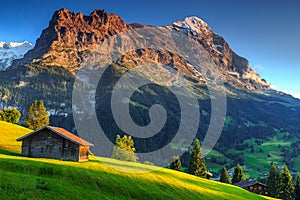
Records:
x=70, y=37
x=236, y=69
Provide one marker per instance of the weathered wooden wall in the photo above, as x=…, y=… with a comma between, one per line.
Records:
x=46, y=144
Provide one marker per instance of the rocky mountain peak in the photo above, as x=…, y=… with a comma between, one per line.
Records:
x=236, y=69
x=70, y=36
x=194, y=25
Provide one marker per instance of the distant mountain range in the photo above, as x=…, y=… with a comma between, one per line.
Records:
x=47, y=71
x=9, y=51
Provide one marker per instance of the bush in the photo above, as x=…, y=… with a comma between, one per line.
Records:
x=148, y=163
x=11, y=115
x=124, y=149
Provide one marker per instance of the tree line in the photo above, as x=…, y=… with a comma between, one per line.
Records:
x=36, y=118
x=279, y=185
x=124, y=150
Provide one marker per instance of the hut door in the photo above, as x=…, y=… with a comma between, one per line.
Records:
x=83, y=153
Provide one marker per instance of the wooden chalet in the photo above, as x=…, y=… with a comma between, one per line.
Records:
x=54, y=142
x=253, y=186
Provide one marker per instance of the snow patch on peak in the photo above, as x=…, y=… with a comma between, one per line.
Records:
x=9, y=45
x=195, y=20
x=194, y=24
x=1, y=44
x=9, y=51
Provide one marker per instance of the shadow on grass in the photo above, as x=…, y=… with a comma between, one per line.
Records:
x=9, y=153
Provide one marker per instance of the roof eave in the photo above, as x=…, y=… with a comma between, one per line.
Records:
x=29, y=134
x=85, y=143
x=80, y=144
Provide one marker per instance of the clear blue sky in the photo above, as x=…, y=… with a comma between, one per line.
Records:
x=266, y=32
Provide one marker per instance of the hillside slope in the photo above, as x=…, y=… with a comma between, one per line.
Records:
x=8, y=135
x=28, y=178
x=254, y=112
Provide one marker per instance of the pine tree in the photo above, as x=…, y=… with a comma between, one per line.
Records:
x=238, y=175
x=197, y=162
x=285, y=185
x=37, y=116
x=176, y=164
x=124, y=149
x=297, y=188
x=272, y=182
x=224, y=177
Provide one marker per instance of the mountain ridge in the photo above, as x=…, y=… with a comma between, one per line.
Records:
x=237, y=67
x=71, y=36
x=75, y=32
x=47, y=73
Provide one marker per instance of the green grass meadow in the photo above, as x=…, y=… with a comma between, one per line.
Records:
x=100, y=178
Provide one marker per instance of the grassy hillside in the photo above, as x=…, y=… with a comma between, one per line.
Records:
x=31, y=178
x=8, y=135
x=259, y=159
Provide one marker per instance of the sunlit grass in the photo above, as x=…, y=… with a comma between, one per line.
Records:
x=100, y=178
x=9, y=133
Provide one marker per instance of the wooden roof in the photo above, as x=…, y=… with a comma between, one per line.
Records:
x=61, y=132
x=247, y=183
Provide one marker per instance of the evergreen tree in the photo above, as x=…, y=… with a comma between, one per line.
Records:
x=197, y=162
x=285, y=185
x=124, y=149
x=37, y=116
x=272, y=182
x=224, y=177
x=176, y=163
x=297, y=188
x=238, y=175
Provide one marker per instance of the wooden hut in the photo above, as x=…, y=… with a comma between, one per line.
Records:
x=253, y=186
x=54, y=142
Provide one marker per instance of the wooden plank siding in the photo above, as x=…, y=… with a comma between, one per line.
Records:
x=253, y=186
x=46, y=143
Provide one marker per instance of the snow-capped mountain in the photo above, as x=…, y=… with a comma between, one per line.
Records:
x=194, y=25
x=9, y=51
x=237, y=71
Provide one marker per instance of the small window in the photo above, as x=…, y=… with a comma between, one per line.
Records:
x=251, y=187
x=259, y=187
